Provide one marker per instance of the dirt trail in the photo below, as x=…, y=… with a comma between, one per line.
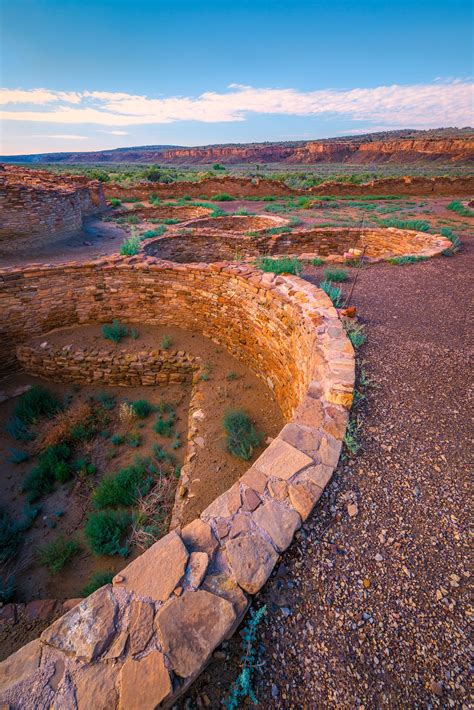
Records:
x=371, y=611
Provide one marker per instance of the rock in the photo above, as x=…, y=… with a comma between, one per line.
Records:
x=118, y=646
x=141, y=625
x=196, y=568
x=191, y=626
x=303, y=497
x=255, y=479
x=158, y=570
x=330, y=450
x=320, y=475
x=278, y=489
x=225, y=505
x=71, y=603
x=222, y=528
x=198, y=536
x=199, y=415
x=251, y=559
x=8, y=614
x=282, y=460
x=227, y=588
x=96, y=687
x=251, y=500
x=310, y=413
x=303, y=438
x=279, y=522
x=436, y=688
x=240, y=524
x=118, y=579
x=42, y=609
x=20, y=666
x=86, y=630
x=144, y=683
x=352, y=509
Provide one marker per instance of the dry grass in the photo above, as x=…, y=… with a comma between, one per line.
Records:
x=60, y=427
x=154, y=510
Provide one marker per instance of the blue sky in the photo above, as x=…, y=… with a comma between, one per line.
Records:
x=85, y=75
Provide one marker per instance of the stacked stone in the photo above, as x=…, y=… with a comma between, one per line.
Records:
x=141, y=641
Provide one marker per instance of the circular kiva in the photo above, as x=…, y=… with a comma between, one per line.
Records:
x=332, y=244
x=238, y=223
x=140, y=641
x=181, y=213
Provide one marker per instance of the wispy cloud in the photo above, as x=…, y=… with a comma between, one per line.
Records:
x=62, y=136
x=116, y=133
x=440, y=103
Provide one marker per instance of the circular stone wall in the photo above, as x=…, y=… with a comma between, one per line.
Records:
x=206, y=245
x=239, y=223
x=182, y=213
x=141, y=640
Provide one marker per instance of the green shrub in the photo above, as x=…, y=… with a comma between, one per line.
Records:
x=9, y=536
x=114, y=331
x=161, y=455
x=459, y=208
x=130, y=246
x=355, y=333
x=407, y=259
x=164, y=425
x=105, y=531
x=57, y=553
x=18, y=430
x=242, y=437
x=124, y=487
x=418, y=225
x=117, y=439
x=133, y=439
x=166, y=342
x=222, y=197
x=242, y=688
x=455, y=241
x=115, y=202
x=158, y=232
x=336, y=275
x=284, y=265
x=142, y=408
x=35, y=403
x=51, y=467
x=317, y=261
x=105, y=400
x=334, y=293
x=98, y=579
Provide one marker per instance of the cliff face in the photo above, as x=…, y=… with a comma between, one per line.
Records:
x=458, y=150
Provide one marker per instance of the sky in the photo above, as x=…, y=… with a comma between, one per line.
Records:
x=100, y=74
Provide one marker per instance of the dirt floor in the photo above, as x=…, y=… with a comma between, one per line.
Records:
x=64, y=511
x=372, y=611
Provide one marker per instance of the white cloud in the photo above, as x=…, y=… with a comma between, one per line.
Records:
x=63, y=136
x=445, y=103
x=116, y=133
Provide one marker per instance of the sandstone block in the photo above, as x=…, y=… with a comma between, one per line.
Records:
x=198, y=536
x=144, y=683
x=251, y=559
x=303, y=438
x=95, y=687
x=279, y=522
x=282, y=460
x=196, y=568
x=303, y=497
x=20, y=666
x=225, y=505
x=141, y=625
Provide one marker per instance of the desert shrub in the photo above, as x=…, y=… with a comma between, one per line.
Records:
x=123, y=488
x=35, y=403
x=142, y=408
x=355, y=333
x=222, y=197
x=276, y=209
x=9, y=536
x=317, y=261
x=166, y=342
x=18, y=430
x=106, y=400
x=242, y=687
x=105, y=531
x=407, y=259
x=455, y=241
x=242, y=437
x=218, y=166
x=130, y=246
x=114, y=331
x=117, y=439
x=98, y=579
x=161, y=455
x=52, y=466
x=350, y=438
x=133, y=439
x=275, y=230
x=334, y=293
x=67, y=423
x=418, y=225
x=164, y=425
x=18, y=456
x=115, y=202
x=336, y=275
x=284, y=265
x=57, y=553
x=459, y=208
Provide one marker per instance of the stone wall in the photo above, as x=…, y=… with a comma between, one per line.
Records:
x=107, y=367
x=211, y=245
x=37, y=207
x=139, y=642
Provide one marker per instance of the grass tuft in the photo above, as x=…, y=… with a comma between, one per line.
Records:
x=98, y=579
x=335, y=275
x=57, y=553
x=242, y=437
x=334, y=293
x=285, y=265
x=106, y=530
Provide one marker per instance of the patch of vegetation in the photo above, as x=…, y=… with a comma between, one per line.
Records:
x=355, y=332
x=455, y=241
x=57, y=553
x=335, y=275
x=166, y=342
x=317, y=261
x=150, y=233
x=231, y=376
x=114, y=331
x=130, y=246
x=142, y=408
x=242, y=437
x=222, y=197
x=115, y=202
x=161, y=455
x=242, y=688
x=35, y=403
x=9, y=536
x=98, y=579
x=407, y=259
x=52, y=467
x=350, y=438
x=459, y=208
x=417, y=225
x=117, y=439
x=284, y=265
x=334, y=293
x=106, y=530
x=124, y=487
x=164, y=425
x=106, y=400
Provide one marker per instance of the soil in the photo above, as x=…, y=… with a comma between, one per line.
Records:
x=372, y=611
x=214, y=469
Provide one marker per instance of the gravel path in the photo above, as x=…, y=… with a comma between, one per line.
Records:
x=371, y=610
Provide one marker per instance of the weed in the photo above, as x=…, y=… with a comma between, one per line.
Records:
x=161, y=455
x=57, y=553
x=334, y=293
x=98, y=579
x=114, y=331
x=115, y=202
x=122, y=488
x=130, y=246
x=284, y=265
x=316, y=261
x=35, y=403
x=355, y=333
x=418, y=225
x=18, y=456
x=117, y=439
x=407, y=259
x=105, y=531
x=242, y=437
x=242, y=687
x=455, y=241
x=133, y=333
x=231, y=376
x=51, y=467
x=142, y=408
x=166, y=342
x=164, y=426
x=134, y=440
x=222, y=197
x=350, y=438
x=105, y=400
x=459, y=208
x=335, y=275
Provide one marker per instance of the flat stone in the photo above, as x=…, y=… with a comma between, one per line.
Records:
x=278, y=521
x=20, y=666
x=251, y=500
x=310, y=413
x=86, y=630
x=224, y=586
x=196, y=569
x=320, y=475
x=96, y=687
x=303, y=438
x=282, y=460
x=118, y=646
x=71, y=603
x=222, y=528
x=225, y=505
x=303, y=497
x=251, y=559
x=330, y=450
x=191, y=626
x=158, y=570
x=198, y=536
x=255, y=479
x=240, y=524
x=141, y=625
x=144, y=683
x=42, y=609
x=278, y=489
